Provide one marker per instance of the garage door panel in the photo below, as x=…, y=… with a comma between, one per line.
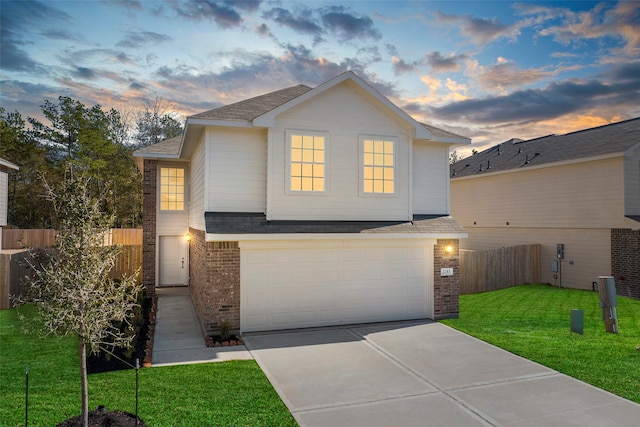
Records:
x=347, y=283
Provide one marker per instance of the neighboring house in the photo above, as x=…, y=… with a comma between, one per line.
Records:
x=5, y=168
x=581, y=190
x=303, y=207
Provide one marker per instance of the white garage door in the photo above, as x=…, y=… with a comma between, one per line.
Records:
x=295, y=285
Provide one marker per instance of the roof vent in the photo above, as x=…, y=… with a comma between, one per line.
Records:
x=488, y=164
x=519, y=150
x=526, y=160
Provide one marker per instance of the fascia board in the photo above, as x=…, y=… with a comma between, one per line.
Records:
x=8, y=164
x=213, y=237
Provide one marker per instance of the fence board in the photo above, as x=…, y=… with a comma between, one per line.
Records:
x=42, y=238
x=128, y=262
x=493, y=269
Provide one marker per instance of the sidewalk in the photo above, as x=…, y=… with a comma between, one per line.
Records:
x=178, y=338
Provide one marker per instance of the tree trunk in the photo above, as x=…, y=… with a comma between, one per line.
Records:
x=83, y=380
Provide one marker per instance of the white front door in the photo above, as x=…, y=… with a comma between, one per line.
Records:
x=173, y=261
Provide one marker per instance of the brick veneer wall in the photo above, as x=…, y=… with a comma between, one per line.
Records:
x=215, y=282
x=446, y=289
x=149, y=190
x=625, y=261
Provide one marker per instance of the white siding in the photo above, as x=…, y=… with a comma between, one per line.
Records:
x=236, y=170
x=4, y=194
x=196, y=188
x=632, y=182
x=344, y=115
x=430, y=178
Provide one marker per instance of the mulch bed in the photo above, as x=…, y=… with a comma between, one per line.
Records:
x=104, y=362
x=100, y=417
x=218, y=341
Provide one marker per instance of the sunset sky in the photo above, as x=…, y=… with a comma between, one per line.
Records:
x=489, y=70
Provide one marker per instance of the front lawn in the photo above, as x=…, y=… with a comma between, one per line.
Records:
x=212, y=394
x=534, y=322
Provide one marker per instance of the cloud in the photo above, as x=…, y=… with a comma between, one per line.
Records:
x=136, y=39
x=60, y=34
x=348, y=24
x=300, y=22
x=481, y=31
x=619, y=90
x=127, y=4
x=84, y=73
x=17, y=21
x=337, y=21
x=224, y=13
x=400, y=66
x=506, y=74
x=621, y=22
x=441, y=63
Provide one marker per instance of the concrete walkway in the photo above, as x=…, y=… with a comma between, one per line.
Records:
x=178, y=337
x=423, y=373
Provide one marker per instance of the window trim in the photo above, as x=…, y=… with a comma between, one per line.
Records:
x=386, y=138
x=184, y=189
x=287, y=179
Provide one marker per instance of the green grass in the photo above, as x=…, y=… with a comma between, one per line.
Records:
x=213, y=394
x=534, y=322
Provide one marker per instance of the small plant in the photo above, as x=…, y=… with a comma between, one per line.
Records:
x=225, y=328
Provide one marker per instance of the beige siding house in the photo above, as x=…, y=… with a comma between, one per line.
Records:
x=581, y=190
x=303, y=207
x=5, y=167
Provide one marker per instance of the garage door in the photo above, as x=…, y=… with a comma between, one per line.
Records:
x=299, y=284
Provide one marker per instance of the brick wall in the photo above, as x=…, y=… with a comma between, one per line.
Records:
x=149, y=189
x=446, y=289
x=625, y=261
x=215, y=282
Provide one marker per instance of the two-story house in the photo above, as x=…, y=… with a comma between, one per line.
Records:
x=304, y=207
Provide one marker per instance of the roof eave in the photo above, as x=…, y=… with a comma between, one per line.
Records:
x=6, y=164
x=215, y=237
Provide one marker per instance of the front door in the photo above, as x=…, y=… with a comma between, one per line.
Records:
x=173, y=261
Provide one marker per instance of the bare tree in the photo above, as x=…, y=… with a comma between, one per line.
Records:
x=156, y=122
x=72, y=289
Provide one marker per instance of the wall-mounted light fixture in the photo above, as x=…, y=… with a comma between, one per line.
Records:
x=448, y=249
x=187, y=237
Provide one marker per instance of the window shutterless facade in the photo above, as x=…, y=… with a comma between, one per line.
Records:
x=172, y=189
x=377, y=165
x=307, y=161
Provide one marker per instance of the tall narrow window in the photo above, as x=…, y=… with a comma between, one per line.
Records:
x=378, y=168
x=171, y=189
x=307, y=157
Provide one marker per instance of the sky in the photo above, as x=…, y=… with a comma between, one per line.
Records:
x=487, y=70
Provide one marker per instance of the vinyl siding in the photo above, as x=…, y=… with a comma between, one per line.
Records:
x=236, y=170
x=430, y=178
x=632, y=182
x=344, y=114
x=4, y=193
x=582, y=195
x=588, y=249
x=196, y=187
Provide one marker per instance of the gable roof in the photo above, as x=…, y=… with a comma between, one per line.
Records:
x=612, y=139
x=6, y=165
x=261, y=111
x=249, y=109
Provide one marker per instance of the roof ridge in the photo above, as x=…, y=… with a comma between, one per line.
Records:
x=601, y=126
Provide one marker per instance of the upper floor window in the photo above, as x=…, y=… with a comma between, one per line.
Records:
x=378, y=165
x=307, y=161
x=171, y=189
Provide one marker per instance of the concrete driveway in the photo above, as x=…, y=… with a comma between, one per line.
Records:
x=423, y=373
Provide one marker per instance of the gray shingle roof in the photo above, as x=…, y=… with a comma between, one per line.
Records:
x=256, y=223
x=249, y=109
x=516, y=154
x=169, y=147
x=441, y=132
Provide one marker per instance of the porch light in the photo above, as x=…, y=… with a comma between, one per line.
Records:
x=187, y=236
x=448, y=249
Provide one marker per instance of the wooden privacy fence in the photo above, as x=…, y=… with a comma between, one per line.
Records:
x=493, y=269
x=42, y=238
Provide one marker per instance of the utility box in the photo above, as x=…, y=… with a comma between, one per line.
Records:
x=608, y=302
x=577, y=321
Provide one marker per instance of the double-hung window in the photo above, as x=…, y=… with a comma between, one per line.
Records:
x=307, y=156
x=171, y=189
x=378, y=165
